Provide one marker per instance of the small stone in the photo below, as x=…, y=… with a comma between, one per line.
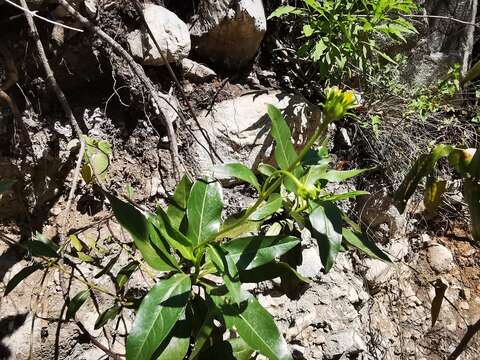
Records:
x=55, y=211
x=378, y=273
x=91, y=7
x=311, y=264
x=196, y=72
x=440, y=258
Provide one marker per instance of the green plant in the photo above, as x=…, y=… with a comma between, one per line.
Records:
x=342, y=35
x=203, y=259
x=96, y=159
x=466, y=163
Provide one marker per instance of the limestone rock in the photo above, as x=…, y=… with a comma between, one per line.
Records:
x=170, y=32
x=311, y=264
x=196, y=72
x=440, y=258
x=378, y=273
x=346, y=342
x=238, y=129
x=228, y=33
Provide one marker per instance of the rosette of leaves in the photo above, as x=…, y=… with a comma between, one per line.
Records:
x=343, y=35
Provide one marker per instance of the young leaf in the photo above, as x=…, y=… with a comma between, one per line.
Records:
x=365, y=245
x=326, y=227
x=138, y=227
x=270, y=207
x=238, y=171
x=19, y=277
x=109, y=314
x=204, y=210
x=178, y=203
x=173, y=236
x=228, y=270
x=159, y=311
x=125, y=273
x=339, y=176
x=40, y=248
x=344, y=196
x=266, y=169
x=285, y=154
x=284, y=10
x=251, y=252
x=76, y=302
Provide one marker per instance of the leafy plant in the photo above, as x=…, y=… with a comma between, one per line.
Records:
x=341, y=36
x=203, y=259
x=96, y=159
x=466, y=163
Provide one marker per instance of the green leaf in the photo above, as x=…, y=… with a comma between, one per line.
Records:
x=319, y=50
x=173, y=236
x=270, y=271
x=266, y=169
x=6, y=185
x=471, y=189
x=344, y=196
x=326, y=222
x=137, y=225
x=161, y=246
x=433, y=194
x=284, y=10
x=316, y=172
x=245, y=228
x=159, y=311
x=107, y=267
x=40, y=248
x=268, y=208
x=339, y=176
x=109, y=314
x=228, y=270
x=203, y=335
x=178, y=203
x=285, y=154
x=238, y=171
x=76, y=302
x=176, y=345
x=204, y=210
x=254, y=251
x=125, y=273
x=474, y=166
x=365, y=245
x=308, y=30
x=256, y=327
x=19, y=277
x=75, y=241
x=422, y=167
x=231, y=349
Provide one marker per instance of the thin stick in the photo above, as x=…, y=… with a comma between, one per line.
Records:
x=34, y=13
x=175, y=80
x=137, y=69
x=471, y=331
x=443, y=18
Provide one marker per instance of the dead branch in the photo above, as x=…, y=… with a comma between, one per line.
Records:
x=471, y=331
x=159, y=98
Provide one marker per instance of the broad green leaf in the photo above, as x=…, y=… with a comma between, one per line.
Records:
x=125, y=273
x=109, y=314
x=266, y=169
x=19, y=277
x=204, y=210
x=471, y=190
x=228, y=270
x=161, y=246
x=138, y=226
x=270, y=271
x=238, y=171
x=319, y=50
x=257, y=328
x=344, y=196
x=284, y=10
x=285, y=154
x=268, y=208
x=365, y=245
x=174, y=237
x=40, y=248
x=422, y=167
x=75, y=241
x=316, y=172
x=76, y=302
x=246, y=227
x=178, y=203
x=105, y=147
x=161, y=308
x=326, y=228
x=176, y=345
x=433, y=194
x=231, y=349
x=339, y=176
x=251, y=252
x=6, y=185
x=203, y=335
x=107, y=267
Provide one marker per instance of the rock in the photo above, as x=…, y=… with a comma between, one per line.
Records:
x=196, y=72
x=378, y=273
x=238, y=129
x=346, y=342
x=311, y=265
x=228, y=33
x=170, y=32
x=440, y=258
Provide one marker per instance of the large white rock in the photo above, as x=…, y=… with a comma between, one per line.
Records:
x=170, y=32
x=440, y=258
x=228, y=33
x=239, y=128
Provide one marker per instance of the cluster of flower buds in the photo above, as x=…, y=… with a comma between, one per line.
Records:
x=338, y=103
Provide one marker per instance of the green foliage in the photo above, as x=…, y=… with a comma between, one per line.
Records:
x=343, y=35
x=465, y=161
x=96, y=159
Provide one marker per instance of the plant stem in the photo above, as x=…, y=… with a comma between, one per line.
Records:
x=321, y=130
